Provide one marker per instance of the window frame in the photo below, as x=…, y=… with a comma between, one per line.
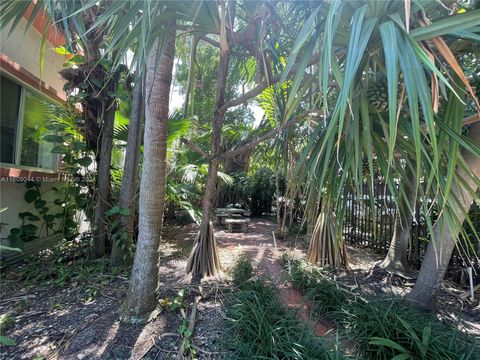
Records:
x=20, y=123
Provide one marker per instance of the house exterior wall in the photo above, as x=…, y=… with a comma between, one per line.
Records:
x=24, y=49
x=20, y=55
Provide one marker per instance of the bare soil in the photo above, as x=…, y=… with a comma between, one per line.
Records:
x=68, y=322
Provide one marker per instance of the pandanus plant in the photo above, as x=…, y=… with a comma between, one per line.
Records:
x=415, y=121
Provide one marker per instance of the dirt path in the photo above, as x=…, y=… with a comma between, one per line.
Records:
x=259, y=245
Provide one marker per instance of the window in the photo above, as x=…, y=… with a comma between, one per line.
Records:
x=24, y=119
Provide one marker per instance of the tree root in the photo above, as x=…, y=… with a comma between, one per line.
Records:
x=204, y=259
x=389, y=276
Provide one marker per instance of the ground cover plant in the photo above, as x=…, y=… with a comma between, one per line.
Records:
x=382, y=327
x=261, y=328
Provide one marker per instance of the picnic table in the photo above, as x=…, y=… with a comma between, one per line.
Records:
x=223, y=214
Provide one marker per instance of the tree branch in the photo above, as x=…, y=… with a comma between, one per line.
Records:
x=263, y=85
x=258, y=140
x=195, y=148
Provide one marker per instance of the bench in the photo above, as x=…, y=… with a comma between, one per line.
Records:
x=242, y=222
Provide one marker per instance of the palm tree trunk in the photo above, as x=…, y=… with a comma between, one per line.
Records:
x=396, y=260
x=440, y=249
x=141, y=296
x=120, y=254
x=103, y=182
x=204, y=260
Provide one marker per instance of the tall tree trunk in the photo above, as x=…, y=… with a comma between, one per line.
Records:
x=203, y=260
x=141, y=296
x=286, y=198
x=396, y=260
x=440, y=249
x=120, y=254
x=103, y=181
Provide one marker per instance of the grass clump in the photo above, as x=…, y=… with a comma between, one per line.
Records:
x=260, y=326
x=242, y=271
x=382, y=329
x=392, y=329
x=262, y=329
x=317, y=285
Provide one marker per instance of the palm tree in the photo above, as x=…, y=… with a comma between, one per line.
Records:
x=396, y=260
x=239, y=41
x=141, y=297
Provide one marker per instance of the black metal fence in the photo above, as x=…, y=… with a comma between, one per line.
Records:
x=373, y=227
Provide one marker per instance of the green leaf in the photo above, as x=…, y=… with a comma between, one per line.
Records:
x=31, y=195
x=427, y=332
x=85, y=161
x=448, y=25
x=389, y=40
x=29, y=229
x=40, y=204
x=7, y=341
x=402, y=357
x=78, y=146
x=77, y=59
x=62, y=50
x=49, y=218
x=302, y=38
x=388, y=343
x=30, y=184
x=28, y=216
x=53, y=138
x=59, y=149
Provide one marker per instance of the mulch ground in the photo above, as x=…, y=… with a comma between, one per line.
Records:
x=64, y=322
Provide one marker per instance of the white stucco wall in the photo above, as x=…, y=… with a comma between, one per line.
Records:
x=24, y=49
